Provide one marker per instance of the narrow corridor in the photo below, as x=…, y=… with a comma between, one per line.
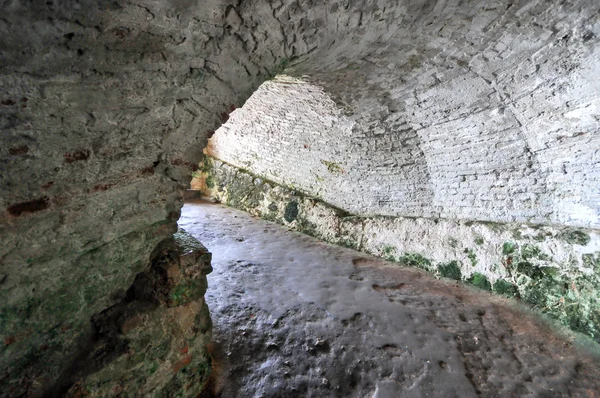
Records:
x=294, y=317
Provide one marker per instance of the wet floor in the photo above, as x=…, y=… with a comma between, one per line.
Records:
x=295, y=317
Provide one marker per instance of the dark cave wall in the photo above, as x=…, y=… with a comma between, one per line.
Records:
x=105, y=106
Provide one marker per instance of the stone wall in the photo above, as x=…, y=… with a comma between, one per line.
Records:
x=478, y=167
x=105, y=107
x=554, y=269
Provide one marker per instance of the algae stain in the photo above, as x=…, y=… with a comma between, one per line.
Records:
x=333, y=167
x=388, y=252
x=529, y=251
x=472, y=257
x=450, y=270
x=210, y=181
x=508, y=248
x=480, y=281
x=505, y=288
x=415, y=260
x=291, y=211
x=575, y=237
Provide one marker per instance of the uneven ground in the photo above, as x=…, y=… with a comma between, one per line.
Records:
x=294, y=317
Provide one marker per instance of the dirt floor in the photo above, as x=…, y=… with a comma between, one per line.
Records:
x=295, y=317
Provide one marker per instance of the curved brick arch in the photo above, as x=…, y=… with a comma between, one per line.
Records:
x=107, y=105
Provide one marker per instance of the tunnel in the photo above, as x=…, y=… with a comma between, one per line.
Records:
x=455, y=137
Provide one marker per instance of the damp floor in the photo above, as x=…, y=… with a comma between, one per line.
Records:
x=295, y=317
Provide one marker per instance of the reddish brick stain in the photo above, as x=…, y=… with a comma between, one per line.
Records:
x=47, y=185
x=29, y=207
x=181, y=162
x=147, y=171
x=182, y=363
x=76, y=156
x=101, y=187
x=19, y=150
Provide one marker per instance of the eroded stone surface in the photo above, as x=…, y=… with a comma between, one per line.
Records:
x=294, y=317
x=155, y=341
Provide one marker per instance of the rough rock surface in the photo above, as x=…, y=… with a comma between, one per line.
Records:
x=556, y=269
x=295, y=317
x=154, y=341
x=105, y=106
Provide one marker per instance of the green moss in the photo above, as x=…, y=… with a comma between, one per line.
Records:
x=415, y=260
x=307, y=227
x=291, y=211
x=271, y=216
x=529, y=251
x=160, y=350
x=592, y=261
x=505, y=288
x=206, y=164
x=453, y=243
x=541, y=236
x=575, y=237
x=388, y=253
x=493, y=226
x=472, y=257
x=532, y=271
x=317, y=177
x=479, y=240
x=183, y=293
x=450, y=270
x=210, y=181
x=480, y=281
x=13, y=317
x=187, y=241
x=545, y=293
x=348, y=244
x=508, y=248
x=332, y=167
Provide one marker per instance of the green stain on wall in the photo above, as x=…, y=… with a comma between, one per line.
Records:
x=592, y=261
x=481, y=281
x=333, y=167
x=291, y=211
x=450, y=270
x=210, y=181
x=505, y=288
x=415, y=260
x=472, y=257
x=388, y=252
x=575, y=236
x=508, y=248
